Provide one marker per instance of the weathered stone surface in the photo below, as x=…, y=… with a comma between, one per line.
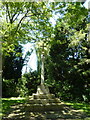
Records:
x=23, y=112
x=43, y=96
x=43, y=100
x=44, y=107
x=42, y=89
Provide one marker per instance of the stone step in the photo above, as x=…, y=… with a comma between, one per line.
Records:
x=41, y=107
x=43, y=96
x=44, y=103
x=41, y=101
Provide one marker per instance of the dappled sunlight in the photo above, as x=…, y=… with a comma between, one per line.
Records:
x=83, y=107
x=21, y=111
x=8, y=102
x=61, y=53
x=31, y=109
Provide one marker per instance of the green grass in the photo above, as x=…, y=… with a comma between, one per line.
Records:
x=7, y=102
x=85, y=107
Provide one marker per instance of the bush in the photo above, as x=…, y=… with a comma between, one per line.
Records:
x=9, y=88
x=32, y=81
x=25, y=86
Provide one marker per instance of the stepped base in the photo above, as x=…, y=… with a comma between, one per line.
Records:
x=43, y=96
x=44, y=101
x=46, y=107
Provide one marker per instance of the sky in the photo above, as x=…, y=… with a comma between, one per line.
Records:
x=86, y=4
x=32, y=63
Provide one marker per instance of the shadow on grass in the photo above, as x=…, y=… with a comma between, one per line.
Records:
x=7, y=102
x=81, y=106
x=21, y=110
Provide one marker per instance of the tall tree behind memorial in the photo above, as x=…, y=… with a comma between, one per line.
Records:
x=68, y=50
x=12, y=66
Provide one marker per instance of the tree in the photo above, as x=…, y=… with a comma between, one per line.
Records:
x=67, y=47
x=21, y=21
x=12, y=66
x=67, y=53
x=24, y=22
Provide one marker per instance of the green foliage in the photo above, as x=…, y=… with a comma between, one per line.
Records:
x=9, y=88
x=14, y=69
x=67, y=64
x=26, y=86
x=67, y=69
x=21, y=88
x=23, y=22
x=32, y=81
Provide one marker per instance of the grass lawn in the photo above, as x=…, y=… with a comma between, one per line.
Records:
x=84, y=107
x=7, y=102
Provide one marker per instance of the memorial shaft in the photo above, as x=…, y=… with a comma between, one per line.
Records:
x=42, y=68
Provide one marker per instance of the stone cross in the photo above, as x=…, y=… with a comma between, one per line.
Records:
x=42, y=66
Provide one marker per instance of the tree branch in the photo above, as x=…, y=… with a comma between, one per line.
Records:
x=7, y=9
x=22, y=20
x=16, y=16
x=12, y=19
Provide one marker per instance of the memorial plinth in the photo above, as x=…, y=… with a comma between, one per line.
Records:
x=42, y=100
x=43, y=93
